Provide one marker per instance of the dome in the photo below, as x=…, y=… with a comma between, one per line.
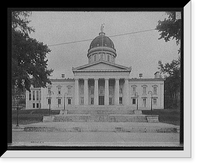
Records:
x=102, y=40
x=102, y=43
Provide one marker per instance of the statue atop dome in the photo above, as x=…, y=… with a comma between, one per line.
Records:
x=102, y=27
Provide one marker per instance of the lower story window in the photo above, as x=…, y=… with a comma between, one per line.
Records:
x=59, y=101
x=145, y=102
x=133, y=101
x=120, y=100
x=69, y=101
x=37, y=105
x=154, y=101
x=92, y=100
x=33, y=105
x=82, y=100
x=49, y=101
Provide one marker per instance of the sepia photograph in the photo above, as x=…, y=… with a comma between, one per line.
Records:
x=97, y=80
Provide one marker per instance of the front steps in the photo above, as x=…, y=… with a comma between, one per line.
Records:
x=101, y=114
x=100, y=118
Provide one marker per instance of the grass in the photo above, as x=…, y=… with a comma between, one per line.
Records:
x=170, y=116
x=31, y=116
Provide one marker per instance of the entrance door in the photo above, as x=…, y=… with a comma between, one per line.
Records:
x=101, y=100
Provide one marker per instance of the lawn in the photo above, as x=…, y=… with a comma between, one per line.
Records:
x=34, y=116
x=170, y=116
x=31, y=116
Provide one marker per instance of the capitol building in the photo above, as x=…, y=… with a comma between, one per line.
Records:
x=101, y=82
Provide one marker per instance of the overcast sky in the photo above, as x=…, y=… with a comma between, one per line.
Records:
x=141, y=51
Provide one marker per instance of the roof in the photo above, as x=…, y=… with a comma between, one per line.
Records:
x=108, y=67
x=146, y=79
x=102, y=40
x=62, y=80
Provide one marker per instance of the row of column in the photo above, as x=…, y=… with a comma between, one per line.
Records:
x=96, y=95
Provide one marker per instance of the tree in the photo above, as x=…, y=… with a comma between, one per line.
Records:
x=29, y=63
x=172, y=83
x=170, y=28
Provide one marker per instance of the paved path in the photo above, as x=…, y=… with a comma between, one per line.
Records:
x=91, y=138
x=94, y=139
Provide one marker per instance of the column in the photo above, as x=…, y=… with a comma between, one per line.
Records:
x=96, y=93
x=76, y=91
x=126, y=92
x=106, y=91
x=85, y=91
x=116, y=91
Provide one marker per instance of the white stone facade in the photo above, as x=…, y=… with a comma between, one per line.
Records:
x=101, y=82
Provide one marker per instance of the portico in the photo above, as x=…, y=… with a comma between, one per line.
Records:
x=101, y=91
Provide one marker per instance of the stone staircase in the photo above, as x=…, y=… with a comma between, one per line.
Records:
x=102, y=119
x=101, y=114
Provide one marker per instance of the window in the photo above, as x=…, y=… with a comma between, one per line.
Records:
x=91, y=90
x=33, y=105
x=108, y=57
x=81, y=89
x=101, y=90
x=133, y=101
x=110, y=100
x=120, y=89
x=111, y=90
x=37, y=105
x=120, y=100
x=144, y=102
x=59, y=101
x=133, y=89
x=101, y=57
x=59, y=90
x=82, y=100
x=49, y=90
x=144, y=90
x=30, y=95
x=69, y=90
x=33, y=95
x=154, y=101
x=37, y=95
x=69, y=101
x=92, y=100
x=49, y=101
x=155, y=90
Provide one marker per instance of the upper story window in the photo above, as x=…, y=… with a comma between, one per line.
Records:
x=133, y=89
x=49, y=90
x=69, y=90
x=30, y=95
x=144, y=87
x=155, y=89
x=59, y=89
x=37, y=95
x=33, y=95
x=108, y=58
x=101, y=58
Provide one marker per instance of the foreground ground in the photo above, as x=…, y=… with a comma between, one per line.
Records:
x=22, y=138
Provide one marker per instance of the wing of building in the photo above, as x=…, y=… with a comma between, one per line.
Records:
x=100, y=82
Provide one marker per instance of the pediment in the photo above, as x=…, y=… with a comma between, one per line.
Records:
x=102, y=66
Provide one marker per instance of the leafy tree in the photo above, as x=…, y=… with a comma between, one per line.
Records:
x=172, y=83
x=29, y=63
x=170, y=28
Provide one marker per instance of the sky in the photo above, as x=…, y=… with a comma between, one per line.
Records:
x=141, y=51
